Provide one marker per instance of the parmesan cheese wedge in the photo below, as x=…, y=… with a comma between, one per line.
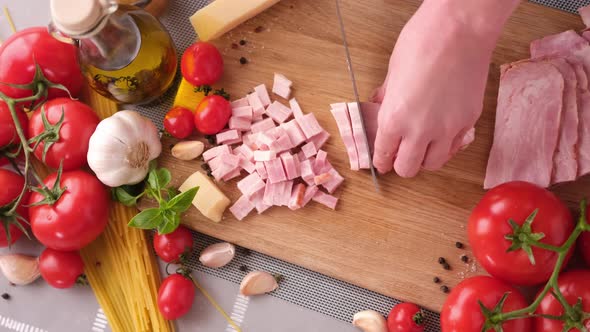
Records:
x=221, y=16
x=210, y=201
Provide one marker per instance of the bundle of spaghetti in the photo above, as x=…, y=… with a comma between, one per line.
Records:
x=120, y=265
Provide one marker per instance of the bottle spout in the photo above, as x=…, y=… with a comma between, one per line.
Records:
x=55, y=33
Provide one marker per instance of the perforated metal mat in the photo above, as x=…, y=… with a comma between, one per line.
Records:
x=300, y=286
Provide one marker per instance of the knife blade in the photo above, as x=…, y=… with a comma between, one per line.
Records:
x=355, y=90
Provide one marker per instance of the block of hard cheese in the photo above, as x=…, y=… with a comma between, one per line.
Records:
x=221, y=16
x=210, y=201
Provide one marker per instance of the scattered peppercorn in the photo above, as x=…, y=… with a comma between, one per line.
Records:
x=291, y=6
x=242, y=42
x=97, y=264
x=259, y=29
x=211, y=139
x=441, y=260
x=459, y=245
x=278, y=277
x=6, y=296
x=464, y=258
x=206, y=167
x=444, y=289
x=446, y=266
x=244, y=268
x=243, y=60
x=436, y=280
x=234, y=46
x=247, y=252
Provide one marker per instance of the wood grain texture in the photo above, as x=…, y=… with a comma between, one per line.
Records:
x=387, y=242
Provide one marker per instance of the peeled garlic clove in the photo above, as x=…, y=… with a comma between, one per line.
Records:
x=188, y=150
x=258, y=282
x=20, y=269
x=370, y=321
x=218, y=255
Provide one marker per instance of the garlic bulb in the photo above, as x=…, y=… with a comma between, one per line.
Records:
x=217, y=255
x=20, y=269
x=121, y=148
x=258, y=282
x=370, y=321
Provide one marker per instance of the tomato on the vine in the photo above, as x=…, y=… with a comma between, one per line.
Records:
x=202, y=64
x=171, y=246
x=179, y=122
x=9, y=140
x=574, y=285
x=61, y=269
x=176, y=296
x=75, y=214
x=489, y=225
x=67, y=141
x=462, y=313
x=212, y=115
x=12, y=185
x=58, y=62
x=405, y=317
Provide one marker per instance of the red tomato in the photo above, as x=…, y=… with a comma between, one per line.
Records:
x=176, y=296
x=405, y=317
x=61, y=269
x=171, y=246
x=573, y=285
x=212, y=115
x=585, y=246
x=12, y=185
x=76, y=218
x=58, y=61
x=488, y=225
x=201, y=64
x=179, y=122
x=71, y=146
x=461, y=311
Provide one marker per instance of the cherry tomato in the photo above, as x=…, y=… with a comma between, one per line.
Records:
x=585, y=246
x=176, y=296
x=461, y=311
x=488, y=226
x=201, y=64
x=405, y=317
x=12, y=185
x=171, y=246
x=212, y=115
x=58, y=62
x=61, y=269
x=71, y=146
x=179, y=122
x=573, y=285
x=78, y=216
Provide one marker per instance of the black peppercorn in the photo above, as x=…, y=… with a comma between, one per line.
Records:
x=464, y=258
x=244, y=268
x=444, y=289
x=234, y=46
x=242, y=42
x=441, y=260
x=259, y=29
x=247, y=252
x=206, y=167
x=436, y=280
x=6, y=296
x=243, y=60
x=446, y=266
x=459, y=245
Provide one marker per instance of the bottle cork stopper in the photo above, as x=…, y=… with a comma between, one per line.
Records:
x=76, y=17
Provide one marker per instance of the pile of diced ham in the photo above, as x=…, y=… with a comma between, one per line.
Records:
x=282, y=156
x=542, y=132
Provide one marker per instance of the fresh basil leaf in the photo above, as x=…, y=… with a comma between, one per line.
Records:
x=152, y=181
x=171, y=221
x=147, y=219
x=121, y=194
x=164, y=177
x=182, y=202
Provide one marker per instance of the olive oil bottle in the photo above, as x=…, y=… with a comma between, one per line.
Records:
x=125, y=53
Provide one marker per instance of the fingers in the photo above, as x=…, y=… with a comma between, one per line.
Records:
x=437, y=155
x=386, y=146
x=379, y=93
x=409, y=157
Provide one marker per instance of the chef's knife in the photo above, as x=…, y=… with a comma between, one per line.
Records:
x=356, y=93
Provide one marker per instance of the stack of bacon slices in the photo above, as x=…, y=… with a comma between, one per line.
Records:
x=283, y=157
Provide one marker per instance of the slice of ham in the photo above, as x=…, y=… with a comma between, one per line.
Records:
x=282, y=86
x=261, y=170
x=257, y=200
x=310, y=192
x=239, y=123
x=325, y=199
x=530, y=102
x=264, y=155
x=242, y=207
x=295, y=134
x=278, y=112
x=290, y=165
x=297, y=196
x=262, y=93
x=309, y=125
x=275, y=170
x=340, y=114
x=242, y=112
x=309, y=150
x=281, y=144
x=240, y=103
x=256, y=103
x=263, y=125
x=215, y=152
x=296, y=108
x=335, y=181
x=320, y=139
x=228, y=136
x=359, y=135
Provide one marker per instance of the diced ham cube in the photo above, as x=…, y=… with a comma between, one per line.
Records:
x=320, y=139
x=281, y=144
x=278, y=112
x=338, y=106
x=257, y=200
x=309, y=150
x=228, y=136
x=239, y=103
x=232, y=175
x=275, y=171
x=290, y=166
x=262, y=93
x=282, y=86
x=301, y=156
x=285, y=196
x=261, y=170
x=359, y=135
x=263, y=125
x=242, y=112
x=251, y=184
x=256, y=103
x=264, y=140
x=245, y=151
x=334, y=182
x=216, y=151
x=215, y=163
x=264, y=155
x=322, y=178
x=238, y=123
x=296, y=108
x=345, y=128
x=325, y=199
x=247, y=165
x=242, y=207
x=309, y=194
x=295, y=134
x=297, y=196
x=307, y=173
x=309, y=125
x=320, y=160
x=230, y=159
x=270, y=192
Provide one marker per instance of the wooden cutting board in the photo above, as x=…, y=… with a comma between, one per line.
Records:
x=387, y=242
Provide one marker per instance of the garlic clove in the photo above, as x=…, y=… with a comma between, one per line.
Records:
x=20, y=269
x=217, y=255
x=258, y=282
x=188, y=150
x=370, y=321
